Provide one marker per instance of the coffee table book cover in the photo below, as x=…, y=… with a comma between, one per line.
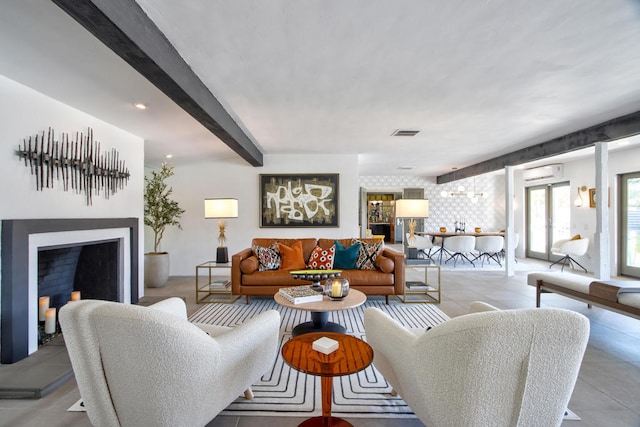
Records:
x=300, y=294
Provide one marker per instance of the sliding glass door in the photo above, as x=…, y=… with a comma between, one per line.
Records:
x=548, y=218
x=630, y=224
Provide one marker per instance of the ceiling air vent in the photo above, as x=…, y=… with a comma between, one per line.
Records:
x=405, y=132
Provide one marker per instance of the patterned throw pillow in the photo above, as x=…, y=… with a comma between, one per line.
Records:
x=368, y=253
x=268, y=258
x=322, y=259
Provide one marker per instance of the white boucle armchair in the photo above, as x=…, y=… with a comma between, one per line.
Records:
x=487, y=368
x=149, y=366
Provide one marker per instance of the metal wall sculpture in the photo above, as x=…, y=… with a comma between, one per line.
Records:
x=77, y=163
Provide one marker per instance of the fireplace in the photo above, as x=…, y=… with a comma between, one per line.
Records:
x=91, y=268
x=22, y=242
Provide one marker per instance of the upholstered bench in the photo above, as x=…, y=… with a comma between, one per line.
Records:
x=620, y=296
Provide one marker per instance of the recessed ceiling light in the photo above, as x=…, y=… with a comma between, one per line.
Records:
x=140, y=106
x=405, y=132
x=168, y=156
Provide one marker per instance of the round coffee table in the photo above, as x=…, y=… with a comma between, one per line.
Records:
x=352, y=355
x=320, y=312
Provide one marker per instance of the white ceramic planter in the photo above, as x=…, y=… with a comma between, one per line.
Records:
x=156, y=269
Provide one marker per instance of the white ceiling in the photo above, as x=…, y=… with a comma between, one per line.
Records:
x=478, y=79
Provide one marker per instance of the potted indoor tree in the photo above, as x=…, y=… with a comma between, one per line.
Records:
x=160, y=212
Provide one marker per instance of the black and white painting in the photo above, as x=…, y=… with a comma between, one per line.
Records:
x=308, y=200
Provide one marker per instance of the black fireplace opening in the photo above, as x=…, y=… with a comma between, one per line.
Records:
x=91, y=268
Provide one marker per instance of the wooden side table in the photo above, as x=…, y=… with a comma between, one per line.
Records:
x=217, y=285
x=352, y=355
x=429, y=290
x=320, y=312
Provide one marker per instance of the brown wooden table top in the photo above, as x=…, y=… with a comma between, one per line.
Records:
x=352, y=300
x=451, y=233
x=352, y=355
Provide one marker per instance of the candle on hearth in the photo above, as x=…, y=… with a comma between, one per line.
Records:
x=43, y=305
x=336, y=290
x=75, y=296
x=50, y=321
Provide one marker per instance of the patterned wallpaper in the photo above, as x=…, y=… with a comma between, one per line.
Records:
x=488, y=213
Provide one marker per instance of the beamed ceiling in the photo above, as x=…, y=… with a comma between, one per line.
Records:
x=486, y=84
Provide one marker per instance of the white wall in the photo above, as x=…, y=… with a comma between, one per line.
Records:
x=487, y=213
x=197, y=241
x=583, y=219
x=25, y=112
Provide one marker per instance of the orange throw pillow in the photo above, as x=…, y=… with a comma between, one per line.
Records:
x=576, y=237
x=292, y=257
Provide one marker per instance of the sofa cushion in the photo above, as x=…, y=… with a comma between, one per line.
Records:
x=385, y=264
x=268, y=258
x=308, y=243
x=322, y=259
x=368, y=253
x=346, y=257
x=249, y=265
x=567, y=280
x=291, y=256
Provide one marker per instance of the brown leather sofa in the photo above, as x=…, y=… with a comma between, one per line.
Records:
x=387, y=279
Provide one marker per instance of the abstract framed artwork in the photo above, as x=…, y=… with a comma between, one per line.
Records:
x=592, y=197
x=299, y=200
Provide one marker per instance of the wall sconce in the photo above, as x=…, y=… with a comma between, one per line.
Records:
x=219, y=209
x=578, y=202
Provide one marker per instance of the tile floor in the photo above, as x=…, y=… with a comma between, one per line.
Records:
x=607, y=391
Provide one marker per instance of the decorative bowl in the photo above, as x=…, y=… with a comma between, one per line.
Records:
x=443, y=229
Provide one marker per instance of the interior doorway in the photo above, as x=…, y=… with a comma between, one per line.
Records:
x=548, y=218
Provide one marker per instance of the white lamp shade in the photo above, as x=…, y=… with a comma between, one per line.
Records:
x=220, y=208
x=412, y=208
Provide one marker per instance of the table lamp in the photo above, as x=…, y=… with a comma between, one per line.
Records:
x=221, y=209
x=411, y=209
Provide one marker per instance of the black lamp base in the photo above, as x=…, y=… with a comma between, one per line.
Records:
x=412, y=253
x=221, y=255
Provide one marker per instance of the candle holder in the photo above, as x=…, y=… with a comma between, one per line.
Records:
x=43, y=337
x=337, y=288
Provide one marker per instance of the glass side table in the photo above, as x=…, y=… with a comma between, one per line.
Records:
x=218, y=286
x=422, y=292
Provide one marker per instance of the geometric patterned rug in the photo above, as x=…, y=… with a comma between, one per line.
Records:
x=283, y=391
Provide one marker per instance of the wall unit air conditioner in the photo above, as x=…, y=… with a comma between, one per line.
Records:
x=543, y=172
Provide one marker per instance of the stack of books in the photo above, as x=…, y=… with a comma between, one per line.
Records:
x=220, y=284
x=300, y=294
x=417, y=286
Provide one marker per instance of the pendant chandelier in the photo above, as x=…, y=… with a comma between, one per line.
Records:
x=473, y=195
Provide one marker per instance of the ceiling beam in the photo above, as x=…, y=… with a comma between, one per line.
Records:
x=124, y=27
x=620, y=127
